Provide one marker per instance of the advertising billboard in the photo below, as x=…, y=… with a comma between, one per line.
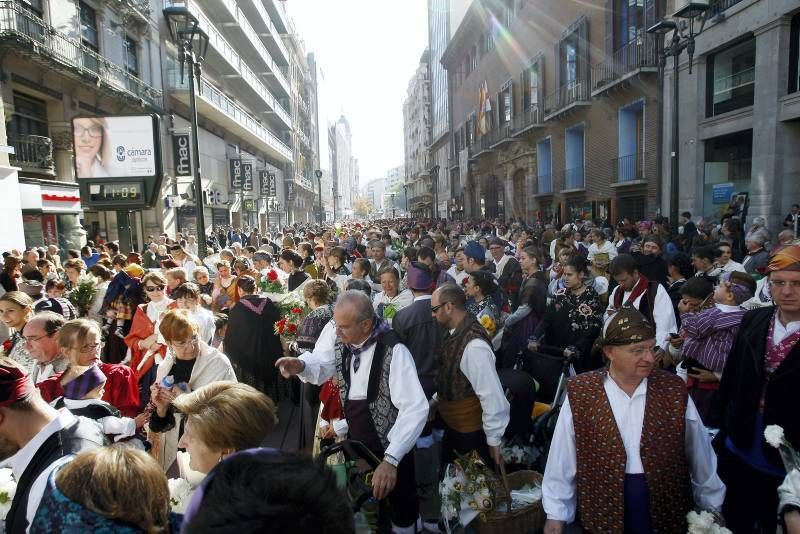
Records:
x=115, y=147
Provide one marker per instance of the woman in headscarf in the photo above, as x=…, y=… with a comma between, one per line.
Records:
x=250, y=339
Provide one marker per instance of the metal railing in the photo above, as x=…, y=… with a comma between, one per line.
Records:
x=304, y=182
x=528, y=118
x=718, y=6
x=272, y=30
x=33, y=151
x=734, y=81
x=643, y=52
x=629, y=168
x=574, y=178
x=544, y=183
x=25, y=30
x=571, y=93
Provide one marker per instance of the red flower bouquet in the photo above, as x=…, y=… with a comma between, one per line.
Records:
x=271, y=283
x=289, y=323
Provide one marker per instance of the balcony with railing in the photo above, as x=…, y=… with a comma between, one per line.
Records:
x=544, y=184
x=527, y=120
x=567, y=98
x=630, y=169
x=573, y=179
x=632, y=59
x=24, y=33
x=718, y=6
x=263, y=21
x=32, y=153
x=221, y=110
x=304, y=182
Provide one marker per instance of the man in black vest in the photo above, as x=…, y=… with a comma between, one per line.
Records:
x=384, y=404
x=33, y=438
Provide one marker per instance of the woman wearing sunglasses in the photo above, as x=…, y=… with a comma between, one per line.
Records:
x=143, y=338
x=80, y=341
x=190, y=364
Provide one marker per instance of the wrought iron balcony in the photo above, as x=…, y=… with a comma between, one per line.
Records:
x=573, y=178
x=629, y=168
x=718, y=6
x=567, y=97
x=544, y=184
x=25, y=33
x=33, y=153
x=527, y=120
x=635, y=57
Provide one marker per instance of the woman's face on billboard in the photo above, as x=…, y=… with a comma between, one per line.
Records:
x=88, y=137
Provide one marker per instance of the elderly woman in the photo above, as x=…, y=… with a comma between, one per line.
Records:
x=80, y=342
x=250, y=339
x=16, y=308
x=291, y=263
x=107, y=489
x=391, y=300
x=190, y=364
x=220, y=419
x=203, y=281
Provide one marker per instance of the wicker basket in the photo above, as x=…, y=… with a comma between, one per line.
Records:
x=524, y=520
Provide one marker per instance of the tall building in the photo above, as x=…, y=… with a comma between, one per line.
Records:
x=60, y=59
x=555, y=117
x=345, y=186
x=738, y=113
x=444, y=17
x=305, y=133
x=374, y=193
x=417, y=136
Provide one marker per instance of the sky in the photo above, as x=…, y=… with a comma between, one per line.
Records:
x=368, y=51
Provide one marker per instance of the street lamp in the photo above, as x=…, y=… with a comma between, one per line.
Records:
x=405, y=194
x=318, y=174
x=679, y=42
x=192, y=47
x=435, y=184
x=392, y=197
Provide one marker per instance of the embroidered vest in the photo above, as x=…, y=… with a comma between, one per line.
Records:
x=601, y=454
x=381, y=409
x=451, y=382
x=79, y=436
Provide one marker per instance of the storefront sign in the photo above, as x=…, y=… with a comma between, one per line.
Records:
x=269, y=187
x=247, y=176
x=236, y=174
x=249, y=204
x=181, y=155
x=290, y=191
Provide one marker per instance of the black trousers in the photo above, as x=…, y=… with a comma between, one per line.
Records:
x=751, y=500
x=461, y=443
x=403, y=499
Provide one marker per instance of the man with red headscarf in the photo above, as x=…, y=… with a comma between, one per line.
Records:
x=33, y=438
x=760, y=386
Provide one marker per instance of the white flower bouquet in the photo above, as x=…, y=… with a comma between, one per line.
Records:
x=8, y=487
x=180, y=493
x=704, y=523
x=775, y=437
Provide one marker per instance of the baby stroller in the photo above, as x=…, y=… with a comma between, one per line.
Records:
x=359, y=464
x=550, y=369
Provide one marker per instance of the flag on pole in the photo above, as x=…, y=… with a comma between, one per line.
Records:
x=484, y=109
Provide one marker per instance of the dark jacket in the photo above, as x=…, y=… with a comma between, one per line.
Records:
x=419, y=331
x=674, y=292
x=653, y=268
x=742, y=382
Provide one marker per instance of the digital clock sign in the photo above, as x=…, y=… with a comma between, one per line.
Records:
x=116, y=193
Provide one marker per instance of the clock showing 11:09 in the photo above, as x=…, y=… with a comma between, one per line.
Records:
x=121, y=192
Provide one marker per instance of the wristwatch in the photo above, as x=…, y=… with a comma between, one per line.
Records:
x=391, y=460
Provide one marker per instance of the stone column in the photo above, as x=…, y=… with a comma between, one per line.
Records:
x=61, y=134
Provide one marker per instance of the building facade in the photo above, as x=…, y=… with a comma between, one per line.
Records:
x=343, y=168
x=61, y=59
x=554, y=118
x=739, y=113
x=444, y=16
x=417, y=138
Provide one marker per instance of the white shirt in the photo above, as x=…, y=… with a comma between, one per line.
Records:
x=457, y=275
x=731, y=266
x=607, y=247
x=559, y=485
x=477, y=364
x=205, y=323
x=405, y=391
x=19, y=462
x=663, y=313
x=781, y=331
x=402, y=300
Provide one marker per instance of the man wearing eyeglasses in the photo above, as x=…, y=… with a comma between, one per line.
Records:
x=41, y=340
x=760, y=386
x=469, y=396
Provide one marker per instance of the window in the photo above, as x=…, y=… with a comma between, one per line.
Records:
x=130, y=56
x=573, y=59
x=531, y=85
x=29, y=118
x=471, y=125
x=544, y=166
x=794, y=55
x=33, y=5
x=506, y=103
x=630, y=159
x=629, y=15
x=731, y=78
x=573, y=156
x=89, y=35
x=570, y=63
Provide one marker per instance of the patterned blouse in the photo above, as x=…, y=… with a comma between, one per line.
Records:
x=312, y=326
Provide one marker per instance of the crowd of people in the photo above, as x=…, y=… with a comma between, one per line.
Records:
x=124, y=369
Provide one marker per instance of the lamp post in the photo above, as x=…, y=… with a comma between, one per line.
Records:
x=435, y=184
x=405, y=194
x=680, y=41
x=318, y=174
x=192, y=47
x=392, y=197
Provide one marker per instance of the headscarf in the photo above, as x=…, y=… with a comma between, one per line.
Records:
x=741, y=285
x=89, y=379
x=785, y=259
x=626, y=327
